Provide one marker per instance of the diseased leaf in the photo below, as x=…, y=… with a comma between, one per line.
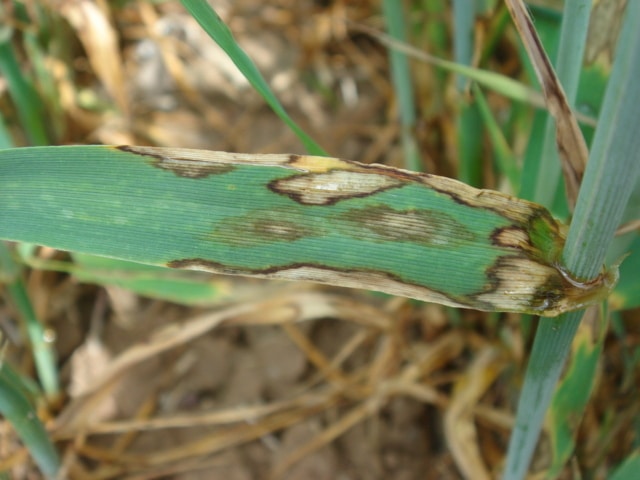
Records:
x=294, y=217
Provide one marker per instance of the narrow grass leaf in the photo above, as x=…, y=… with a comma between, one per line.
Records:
x=17, y=409
x=571, y=398
x=151, y=281
x=501, y=84
x=435, y=33
x=294, y=217
x=43, y=351
x=186, y=288
x=615, y=172
x=218, y=31
x=464, y=12
x=30, y=108
x=402, y=84
x=506, y=161
x=532, y=167
x=549, y=353
x=469, y=123
x=5, y=137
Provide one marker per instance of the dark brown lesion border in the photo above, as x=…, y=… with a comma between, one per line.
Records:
x=181, y=167
x=460, y=301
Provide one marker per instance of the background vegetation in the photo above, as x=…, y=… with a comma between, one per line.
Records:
x=300, y=380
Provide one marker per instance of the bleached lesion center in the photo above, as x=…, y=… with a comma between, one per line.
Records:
x=329, y=187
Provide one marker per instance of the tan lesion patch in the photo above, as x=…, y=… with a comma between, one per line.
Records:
x=511, y=208
x=333, y=186
x=516, y=280
x=189, y=166
x=314, y=164
x=516, y=284
x=191, y=163
x=193, y=168
x=522, y=284
x=427, y=227
x=371, y=280
x=261, y=227
x=512, y=237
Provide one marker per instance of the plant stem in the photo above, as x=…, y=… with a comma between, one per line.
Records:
x=609, y=180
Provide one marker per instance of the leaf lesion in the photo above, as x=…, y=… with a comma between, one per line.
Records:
x=430, y=228
x=262, y=227
x=331, y=187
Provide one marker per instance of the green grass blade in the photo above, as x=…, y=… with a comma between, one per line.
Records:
x=292, y=217
x=218, y=31
x=402, y=84
x=505, y=159
x=469, y=129
x=30, y=108
x=571, y=398
x=629, y=468
x=501, y=84
x=469, y=123
x=548, y=355
x=177, y=286
x=434, y=33
x=5, y=137
x=16, y=408
x=614, y=168
x=43, y=352
x=610, y=178
x=531, y=161
x=463, y=18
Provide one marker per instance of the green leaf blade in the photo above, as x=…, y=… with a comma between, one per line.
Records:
x=292, y=217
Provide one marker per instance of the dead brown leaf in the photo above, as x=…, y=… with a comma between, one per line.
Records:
x=100, y=41
x=460, y=429
x=571, y=144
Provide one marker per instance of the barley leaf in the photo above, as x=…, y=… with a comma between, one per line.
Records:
x=296, y=218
